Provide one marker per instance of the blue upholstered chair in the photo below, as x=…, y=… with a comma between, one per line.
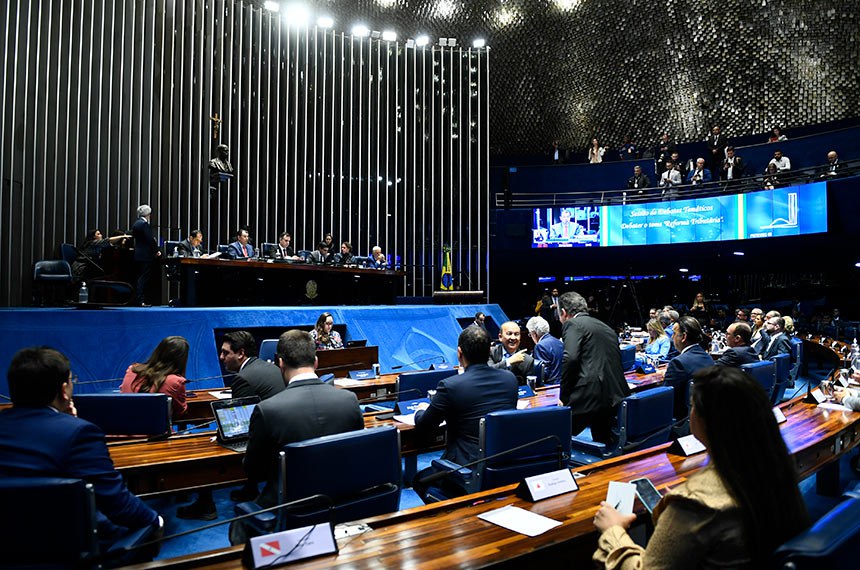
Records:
x=644, y=420
x=833, y=542
x=305, y=254
x=51, y=523
x=628, y=357
x=55, y=275
x=797, y=359
x=360, y=470
x=223, y=249
x=170, y=248
x=764, y=372
x=782, y=374
x=415, y=384
x=502, y=431
x=126, y=414
x=268, y=348
x=266, y=248
x=68, y=252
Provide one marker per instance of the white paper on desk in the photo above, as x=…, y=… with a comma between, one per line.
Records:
x=519, y=520
x=346, y=382
x=523, y=404
x=632, y=386
x=835, y=407
x=405, y=419
x=222, y=395
x=621, y=495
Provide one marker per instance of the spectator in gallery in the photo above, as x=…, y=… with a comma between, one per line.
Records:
x=670, y=176
x=717, y=144
x=628, y=150
x=678, y=164
x=771, y=177
x=556, y=153
x=833, y=165
x=596, y=152
x=783, y=163
x=700, y=174
x=665, y=148
x=776, y=135
x=733, y=166
x=639, y=180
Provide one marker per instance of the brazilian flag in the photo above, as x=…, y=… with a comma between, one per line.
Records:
x=447, y=276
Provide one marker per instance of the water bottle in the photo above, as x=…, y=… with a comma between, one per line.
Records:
x=83, y=294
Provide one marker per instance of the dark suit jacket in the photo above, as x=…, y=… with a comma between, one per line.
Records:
x=305, y=409
x=738, y=170
x=258, y=378
x=737, y=356
x=234, y=250
x=275, y=252
x=643, y=182
x=145, y=246
x=680, y=371
x=592, y=379
x=41, y=442
x=782, y=345
x=187, y=250
x=551, y=351
x=719, y=144
x=461, y=401
x=760, y=344
x=520, y=370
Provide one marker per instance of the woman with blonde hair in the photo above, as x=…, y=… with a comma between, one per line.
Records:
x=163, y=372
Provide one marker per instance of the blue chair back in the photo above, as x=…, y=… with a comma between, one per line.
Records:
x=782, y=371
x=170, y=248
x=266, y=248
x=361, y=260
x=797, y=358
x=52, y=270
x=628, y=357
x=833, y=542
x=420, y=382
x=126, y=414
x=47, y=522
x=223, y=249
x=304, y=254
x=763, y=372
x=370, y=457
x=645, y=419
x=267, y=349
x=68, y=252
x=501, y=431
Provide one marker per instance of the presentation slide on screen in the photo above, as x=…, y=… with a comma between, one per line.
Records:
x=791, y=211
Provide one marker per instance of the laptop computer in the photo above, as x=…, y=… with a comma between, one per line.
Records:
x=356, y=343
x=234, y=421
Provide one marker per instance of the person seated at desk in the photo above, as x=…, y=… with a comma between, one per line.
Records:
x=377, y=258
x=686, y=336
x=163, y=373
x=241, y=249
x=565, y=228
x=737, y=510
x=305, y=409
x=739, y=352
x=190, y=246
x=323, y=336
x=321, y=254
x=461, y=401
x=40, y=436
x=282, y=249
x=345, y=256
x=779, y=342
x=548, y=350
x=657, y=347
x=507, y=354
x=86, y=266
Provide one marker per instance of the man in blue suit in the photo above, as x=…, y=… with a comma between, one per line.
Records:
x=739, y=352
x=462, y=400
x=692, y=357
x=548, y=349
x=241, y=249
x=41, y=437
x=699, y=174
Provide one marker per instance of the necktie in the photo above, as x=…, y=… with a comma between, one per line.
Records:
x=566, y=231
x=245, y=249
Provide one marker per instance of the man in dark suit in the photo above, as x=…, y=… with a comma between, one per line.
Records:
x=739, y=351
x=479, y=321
x=592, y=379
x=41, y=437
x=145, y=251
x=717, y=143
x=832, y=170
x=282, y=249
x=549, y=351
x=305, y=409
x=549, y=311
x=639, y=180
x=321, y=254
x=691, y=357
x=734, y=167
x=190, y=247
x=462, y=400
x=779, y=342
x=507, y=355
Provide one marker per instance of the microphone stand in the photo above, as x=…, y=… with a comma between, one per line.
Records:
x=399, y=366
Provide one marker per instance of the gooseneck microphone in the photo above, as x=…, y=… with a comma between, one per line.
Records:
x=399, y=366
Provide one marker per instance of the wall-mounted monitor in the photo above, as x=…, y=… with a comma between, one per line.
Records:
x=566, y=227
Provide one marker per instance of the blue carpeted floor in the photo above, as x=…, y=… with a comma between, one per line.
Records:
x=217, y=537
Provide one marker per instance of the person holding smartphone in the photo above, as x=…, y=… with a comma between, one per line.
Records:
x=735, y=511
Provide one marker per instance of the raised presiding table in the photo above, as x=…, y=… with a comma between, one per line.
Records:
x=226, y=283
x=450, y=534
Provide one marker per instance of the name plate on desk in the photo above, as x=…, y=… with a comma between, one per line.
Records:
x=688, y=445
x=525, y=391
x=815, y=397
x=547, y=485
x=780, y=417
x=410, y=406
x=272, y=550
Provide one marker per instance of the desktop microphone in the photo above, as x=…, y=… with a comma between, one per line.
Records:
x=399, y=366
x=442, y=474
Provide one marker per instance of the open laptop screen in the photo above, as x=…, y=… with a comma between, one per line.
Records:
x=234, y=417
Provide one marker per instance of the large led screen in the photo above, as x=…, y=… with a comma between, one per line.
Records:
x=790, y=211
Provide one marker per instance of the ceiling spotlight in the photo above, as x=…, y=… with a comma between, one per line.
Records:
x=272, y=6
x=389, y=36
x=857, y=264
x=325, y=22
x=422, y=40
x=360, y=31
x=684, y=270
x=297, y=15
x=738, y=253
x=479, y=43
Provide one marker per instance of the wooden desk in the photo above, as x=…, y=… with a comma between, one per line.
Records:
x=227, y=283
x=449, y=534
x=828, y=351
